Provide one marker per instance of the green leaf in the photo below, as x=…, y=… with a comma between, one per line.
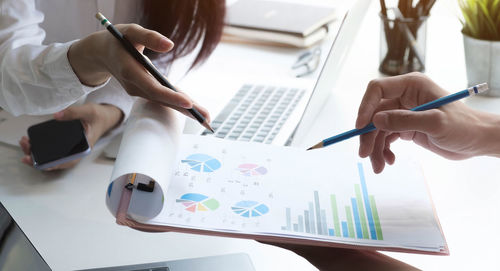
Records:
x=490, y=30
x=481, y=18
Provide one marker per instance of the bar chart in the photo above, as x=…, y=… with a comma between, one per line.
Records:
x=359, y=218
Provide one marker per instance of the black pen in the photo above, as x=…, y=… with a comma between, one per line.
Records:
x=145, y=62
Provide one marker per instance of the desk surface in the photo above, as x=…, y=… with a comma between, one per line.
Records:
x=64, y=213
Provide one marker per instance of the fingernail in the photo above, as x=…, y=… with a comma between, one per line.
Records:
x=187, y=105
x=165, y=43
x=358, y=124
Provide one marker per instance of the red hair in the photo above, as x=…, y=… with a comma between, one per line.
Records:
x=186, y=23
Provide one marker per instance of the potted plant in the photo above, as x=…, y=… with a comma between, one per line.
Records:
x=481, y=34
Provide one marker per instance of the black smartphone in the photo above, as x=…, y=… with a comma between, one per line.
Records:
x=56, y=142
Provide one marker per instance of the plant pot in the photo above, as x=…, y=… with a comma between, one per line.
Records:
x=482, y=61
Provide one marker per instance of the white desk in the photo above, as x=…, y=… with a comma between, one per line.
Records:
x=65, y=216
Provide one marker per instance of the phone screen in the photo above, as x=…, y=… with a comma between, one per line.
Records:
x=53, y=140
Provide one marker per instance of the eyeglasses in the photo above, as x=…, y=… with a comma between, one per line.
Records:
x=307, y=62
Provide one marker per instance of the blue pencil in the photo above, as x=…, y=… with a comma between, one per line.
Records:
x=430, y=105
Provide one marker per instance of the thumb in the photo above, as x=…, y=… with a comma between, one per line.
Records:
x=149, y=38
x=428, y=122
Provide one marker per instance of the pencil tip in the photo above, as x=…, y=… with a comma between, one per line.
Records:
x=317, y=146
x=207, y=126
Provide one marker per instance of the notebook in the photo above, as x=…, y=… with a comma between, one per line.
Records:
x=166, y=181
x=300, y=25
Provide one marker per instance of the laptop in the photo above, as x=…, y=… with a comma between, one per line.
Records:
x=18, y=253
x=281, y=115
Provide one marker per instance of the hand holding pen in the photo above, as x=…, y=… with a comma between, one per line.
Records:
x=100, y=55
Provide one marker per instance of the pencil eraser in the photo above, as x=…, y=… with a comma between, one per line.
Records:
x=474, y=90
x=482, y=87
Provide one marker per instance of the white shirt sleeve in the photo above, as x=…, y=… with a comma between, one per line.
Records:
x=113, y=94
x=34, y=78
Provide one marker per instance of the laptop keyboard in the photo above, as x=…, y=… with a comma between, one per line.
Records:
x=256, y=113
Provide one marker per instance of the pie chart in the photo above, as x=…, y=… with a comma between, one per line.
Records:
x=202, y=162
x=249, y=208
x=252, y=170
x=198, y=202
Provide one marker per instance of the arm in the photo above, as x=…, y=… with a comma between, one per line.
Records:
x=454, y=131
x=37, y=79
x=113, y=94
x=34, y=78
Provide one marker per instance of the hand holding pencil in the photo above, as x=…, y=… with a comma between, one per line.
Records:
x=450, y=130
x=454, y=130
x=101, y=55
x=148, y=65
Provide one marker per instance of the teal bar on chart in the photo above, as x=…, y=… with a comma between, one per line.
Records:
x=357, y=222
x=366, y=199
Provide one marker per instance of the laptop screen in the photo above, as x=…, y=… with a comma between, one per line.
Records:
x=331, y=68
x=16, y=251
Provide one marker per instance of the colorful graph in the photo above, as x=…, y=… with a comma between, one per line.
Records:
x=198, y=202
x=202, y=163
x=252, y=170
x=249, y=208
x=361, y=216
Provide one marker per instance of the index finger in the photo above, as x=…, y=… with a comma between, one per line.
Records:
x=184, y=111
x=149, y=38
x=378, y=89
x=146, y=86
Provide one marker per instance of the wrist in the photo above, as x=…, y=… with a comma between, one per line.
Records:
x=105, y=118
x=489, y=143
x=86, y=61
x=114, y=116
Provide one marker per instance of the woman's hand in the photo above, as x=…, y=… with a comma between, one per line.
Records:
x=454, y=131
x=95, y=58
x=97, y=119
x=331, y=258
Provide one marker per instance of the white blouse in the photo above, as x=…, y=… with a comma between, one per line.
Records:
x=35, y=35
